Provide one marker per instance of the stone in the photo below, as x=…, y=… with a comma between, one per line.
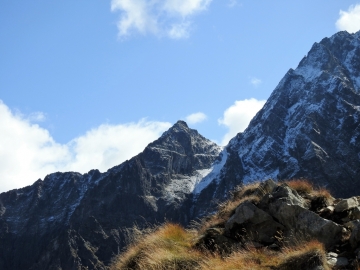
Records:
x=302, y=222
x=288, y=195
x=258, y=224
x=329, y=209
x=355, y=213
x=346, y=204
x=337, y=262
x=355, y=234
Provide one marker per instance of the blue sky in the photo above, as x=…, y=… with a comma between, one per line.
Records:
x=87, y=84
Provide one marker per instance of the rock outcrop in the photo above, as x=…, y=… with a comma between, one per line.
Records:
x=283, y=217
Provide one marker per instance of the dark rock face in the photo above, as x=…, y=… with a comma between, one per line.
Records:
x=74, y=221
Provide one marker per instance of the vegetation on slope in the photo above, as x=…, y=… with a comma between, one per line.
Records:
x=207, y=245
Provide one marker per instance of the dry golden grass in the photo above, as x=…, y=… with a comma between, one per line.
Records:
x=305, y=254
x=168, y=247
x=172, y=247
x=302, y=186
x=324, y=193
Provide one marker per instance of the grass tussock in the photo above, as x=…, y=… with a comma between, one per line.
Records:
x=305, y=187
x=323, y=193
x=302, y=186
x=302, y=256
x=305, y=255
x=171, y=247
x=167, y=247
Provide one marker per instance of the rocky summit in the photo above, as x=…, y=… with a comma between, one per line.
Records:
x=74, y=221
x=308, y=128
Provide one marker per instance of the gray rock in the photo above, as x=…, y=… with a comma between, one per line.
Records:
x=355, y=213
x=328, y=209
x=259, y=225
x=355, y=234
x=304, y=223
x=346, y=204
x=288, y=195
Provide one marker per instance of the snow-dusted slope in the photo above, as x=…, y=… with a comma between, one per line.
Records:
x=73, y=221
x=309, y=127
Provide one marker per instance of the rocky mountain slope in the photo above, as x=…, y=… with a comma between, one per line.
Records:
x=74, y=221
x=268, y=225
x=308, y=128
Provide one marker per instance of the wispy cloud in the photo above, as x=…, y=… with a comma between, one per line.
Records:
x=233, y=3
x=238, y=116
x=195, y=118
x=171, y=18
x=179, y=31
x=29, y=152
x=37, y=117
x=255, y=81
x=349, y=20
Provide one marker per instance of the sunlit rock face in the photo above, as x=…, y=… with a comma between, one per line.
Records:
x=309, y=127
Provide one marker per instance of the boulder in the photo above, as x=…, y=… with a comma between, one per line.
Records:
x=288, y=195
x=355, y=213
x=258, y=225
x=346, y=204
x=303, y=223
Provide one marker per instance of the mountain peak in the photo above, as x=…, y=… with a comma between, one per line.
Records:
x=180, y=125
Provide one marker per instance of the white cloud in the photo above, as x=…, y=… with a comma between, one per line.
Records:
x=255, y=81
x=185, y=7
x=136, y=14
x=157, y=17
x=28, y=152
x=238, y=116
x=349, y=20
x=195, y=118
x=108, y=145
